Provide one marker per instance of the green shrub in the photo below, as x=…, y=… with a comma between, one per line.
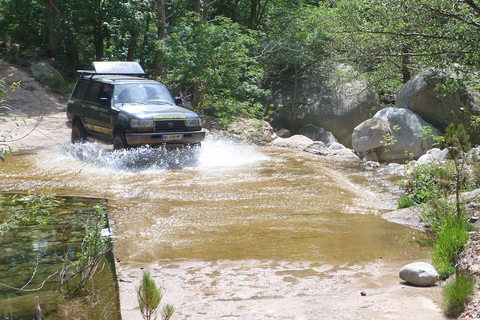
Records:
x=405, y=201
x=433, y=215
x=149, y=298
x=61, y=86
x=451, y=240
x=456, y=294
x=429, y=182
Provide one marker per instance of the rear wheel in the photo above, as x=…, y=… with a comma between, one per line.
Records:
x=119, y=142
x=78, y=133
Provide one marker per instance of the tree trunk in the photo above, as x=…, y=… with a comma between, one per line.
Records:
x=253, y=14
x=51, y=15
x=132, y=46
x=294, y=96
x=406, y=74
x=97, y=31
x=145, y=38
x=160, y=35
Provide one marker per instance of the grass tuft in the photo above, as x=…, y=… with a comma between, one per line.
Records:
x=457, y=293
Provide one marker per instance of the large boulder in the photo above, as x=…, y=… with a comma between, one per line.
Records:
x=394, y=134
x=297, y=141
x=325, y=100
x=371, y=134
x=420, y=274
x=44, y=72
x=318, y=134
x=257, y=131
x=421, y=95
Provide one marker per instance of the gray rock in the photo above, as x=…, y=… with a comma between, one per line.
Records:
x=44, y=72
x=420, y=274
x=393, y=169
x=370, y=134
x=297, y=141
x=434, y=155
x=336, y=146
x=370, y=156
x=283, y=133
x=317, y=145
x=420, y=95
x=318, y=134
x=256, y=131
x=336, y=108
x=404, y=139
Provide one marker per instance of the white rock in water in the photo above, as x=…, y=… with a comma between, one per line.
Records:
x=419, y=273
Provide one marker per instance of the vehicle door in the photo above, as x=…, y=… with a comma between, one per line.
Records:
x=100, y=112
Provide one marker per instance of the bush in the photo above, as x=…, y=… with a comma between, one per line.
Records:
x=405, y=201
x=429, y=182
x=456, y=294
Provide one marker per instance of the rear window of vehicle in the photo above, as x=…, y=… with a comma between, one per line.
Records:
x=80, y=90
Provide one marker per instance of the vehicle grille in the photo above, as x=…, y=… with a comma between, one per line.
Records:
x=170, y=126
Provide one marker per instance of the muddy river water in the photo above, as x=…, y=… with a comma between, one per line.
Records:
x=241, y=232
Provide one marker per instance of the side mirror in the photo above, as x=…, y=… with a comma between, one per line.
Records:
x=178, y=101
x=105, y=102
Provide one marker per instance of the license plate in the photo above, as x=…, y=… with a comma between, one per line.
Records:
x=172, y=136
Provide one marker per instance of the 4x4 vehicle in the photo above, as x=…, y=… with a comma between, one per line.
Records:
x=116, y=105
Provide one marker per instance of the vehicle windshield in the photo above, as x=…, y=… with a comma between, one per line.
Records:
x=142, y=93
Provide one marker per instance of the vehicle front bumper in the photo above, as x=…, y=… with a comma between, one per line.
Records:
x=157, y=139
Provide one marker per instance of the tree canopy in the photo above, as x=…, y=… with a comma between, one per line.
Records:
x=220, y=52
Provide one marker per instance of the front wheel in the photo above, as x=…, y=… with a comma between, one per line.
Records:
x=119, y=142
x=78, y=133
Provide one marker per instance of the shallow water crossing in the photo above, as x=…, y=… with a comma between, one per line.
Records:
x=229, y=230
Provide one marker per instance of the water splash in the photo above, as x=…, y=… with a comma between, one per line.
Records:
x=213, y=153
x=228, y=153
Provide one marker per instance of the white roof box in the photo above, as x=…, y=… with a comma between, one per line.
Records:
x=131, y=68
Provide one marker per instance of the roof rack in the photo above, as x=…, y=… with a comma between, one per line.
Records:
x=127, y=68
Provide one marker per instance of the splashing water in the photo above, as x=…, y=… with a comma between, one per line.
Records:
x=213, y=153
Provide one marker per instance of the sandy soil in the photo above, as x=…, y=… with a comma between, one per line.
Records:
x=37, y=119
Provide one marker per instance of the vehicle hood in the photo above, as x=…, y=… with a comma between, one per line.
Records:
x=155, y=110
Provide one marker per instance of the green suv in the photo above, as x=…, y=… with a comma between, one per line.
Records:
x=116, y=105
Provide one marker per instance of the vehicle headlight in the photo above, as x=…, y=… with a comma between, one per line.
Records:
x=192, y=123
x=139, y=123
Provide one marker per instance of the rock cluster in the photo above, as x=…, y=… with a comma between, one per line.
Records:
x=344, y=112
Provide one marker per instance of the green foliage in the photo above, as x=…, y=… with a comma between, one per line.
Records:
x=295, y=38
x=405, y=201
x=457, y=293
x=457, y=143
x=30, y=208
x=451, y=240
x=149, y=298
x=393, y=40
x=61, y=86
x=95, y=246
x=427, y=133
x=214, y=60
x=428, y=182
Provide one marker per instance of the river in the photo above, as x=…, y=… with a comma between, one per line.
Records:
x=234, y=231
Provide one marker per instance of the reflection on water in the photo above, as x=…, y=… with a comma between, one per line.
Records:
x=222, y=201
x=33, y=256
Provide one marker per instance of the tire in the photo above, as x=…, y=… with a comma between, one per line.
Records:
x=78, y=133
x=119, y=141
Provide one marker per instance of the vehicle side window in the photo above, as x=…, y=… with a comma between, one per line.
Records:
x=95, y=92
x=80, y=90
x=107, y=92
